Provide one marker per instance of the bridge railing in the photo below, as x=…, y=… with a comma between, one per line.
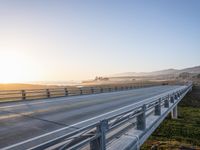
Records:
x=14, y=95
x=96, y=136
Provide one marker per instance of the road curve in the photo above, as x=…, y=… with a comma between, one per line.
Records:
x=20, y=121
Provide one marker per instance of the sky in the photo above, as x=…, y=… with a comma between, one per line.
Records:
x=60, y=40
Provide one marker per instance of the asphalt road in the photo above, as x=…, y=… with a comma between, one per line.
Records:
x=20, y=121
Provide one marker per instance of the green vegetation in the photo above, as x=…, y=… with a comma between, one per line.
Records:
x=182, y=133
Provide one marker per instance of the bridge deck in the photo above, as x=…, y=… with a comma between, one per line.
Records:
x=20, y=121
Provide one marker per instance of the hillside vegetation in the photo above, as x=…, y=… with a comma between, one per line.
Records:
x=182, y=133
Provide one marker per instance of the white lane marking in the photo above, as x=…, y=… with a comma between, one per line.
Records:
x=78, y=123
x=61, y=99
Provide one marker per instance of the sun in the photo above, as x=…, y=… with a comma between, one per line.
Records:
x=14, y=67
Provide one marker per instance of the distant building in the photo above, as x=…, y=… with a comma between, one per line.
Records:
x=101, y=79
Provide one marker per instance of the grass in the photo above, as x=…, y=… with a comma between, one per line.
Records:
x=182, y=133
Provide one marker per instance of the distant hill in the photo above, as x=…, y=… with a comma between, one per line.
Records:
x=192, y=70
x=195, y=70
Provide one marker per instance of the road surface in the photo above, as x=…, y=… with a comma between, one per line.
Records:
x=20, y=121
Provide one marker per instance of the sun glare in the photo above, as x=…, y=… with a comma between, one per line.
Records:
x=14, y=67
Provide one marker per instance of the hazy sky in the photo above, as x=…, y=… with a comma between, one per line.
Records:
x=74, y=40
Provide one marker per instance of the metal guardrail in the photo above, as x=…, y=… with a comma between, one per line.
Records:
x=97, y=135
x=15, y=95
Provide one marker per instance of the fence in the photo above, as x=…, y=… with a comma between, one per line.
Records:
x=14, y=95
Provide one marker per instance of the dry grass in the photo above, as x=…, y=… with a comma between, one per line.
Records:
x=25, y=86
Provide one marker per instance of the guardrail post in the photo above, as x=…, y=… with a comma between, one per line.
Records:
x=115, y=88
x=158, y=108
x=48, y=93
x=100, y=142
x=141, y=119
x=182, y=91
x=172, y=99
x=92, y=90
x=23, y=95
x=179, y=94
x=81, y=91
x=166, y=102
x=109, y=89
x=176, y=97
x=101, y=90
x=66, y=92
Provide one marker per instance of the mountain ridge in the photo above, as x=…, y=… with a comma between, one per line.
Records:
x=193, y=70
